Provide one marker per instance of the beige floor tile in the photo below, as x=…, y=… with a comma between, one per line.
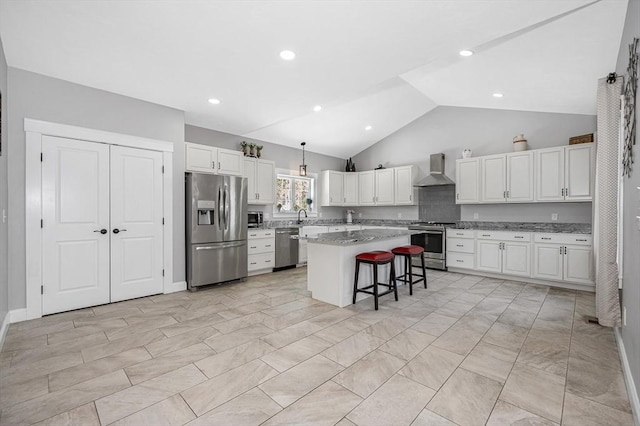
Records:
x=155, y=367
x=432, y=367
x=189, y=326
x=455, y=308
x=526, y=305
x=329, y=318
x=50, y=351
x=23, y=391
x=407, y=344
x=490, y=361
x=286, y=308
x=353, y=348
x=84, y=415
x=236, y=338
x=342, y=330
x=398, y=402
x=27, y=371
x=232, y=358
x=230, y=326
x=506, y=336
x=15, y=343
x=105, y=326
x=215, y=392
x=180, y=341
x=466, y=398
x=205, y=311
x=583, y=412
x=52, y=319
x=55, y=403
x=345, y=422
x=291, y=385
x=434, y=324
x=389, y=328
x=295, y=353
x=514, y=316
x=249, y=409
x=536, y=391
x=326, y=405
x=429, y=418
x=110, y=348
x=286, y=336
x=141, y=327
x=368, y=374
x=598, y=383
x=546, y=350
x=97, y=319
x=135, y=398
x=83, y=372
x=507, y=414
x=459, y=339
x=170, y=412
x=44, y=330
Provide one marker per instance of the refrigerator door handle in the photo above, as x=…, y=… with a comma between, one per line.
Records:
x=219, y=246
x=227, y=207
x=219, y=214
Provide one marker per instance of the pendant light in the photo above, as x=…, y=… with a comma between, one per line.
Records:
x=303, y=167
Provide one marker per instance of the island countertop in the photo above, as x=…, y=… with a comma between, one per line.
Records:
x=359, y=237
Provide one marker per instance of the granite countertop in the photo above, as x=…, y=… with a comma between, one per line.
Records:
x=359, y=237
x=556, y=228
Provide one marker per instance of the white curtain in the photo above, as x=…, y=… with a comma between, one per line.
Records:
x=605, y=222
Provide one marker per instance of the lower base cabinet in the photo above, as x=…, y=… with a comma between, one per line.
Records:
x=261, y=251
x=563, y=257
x=504, y=253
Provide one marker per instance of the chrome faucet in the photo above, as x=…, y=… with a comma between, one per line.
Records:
x=305, y=215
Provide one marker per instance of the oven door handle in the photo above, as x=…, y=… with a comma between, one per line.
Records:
x=432, y=232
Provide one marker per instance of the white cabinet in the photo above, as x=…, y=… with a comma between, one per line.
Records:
x=493, y=182
x=519, y=174
x=404, y=190
x=261, y=250
x=460, y=245
x=468, y=181
x=331, y=188
x=367, y=188
x=350, y=189
x=504, y=252
x=565, y=173
x=384, y=186
x=209, y=159
x=261, y=180
x=563, y=257
x=307, y=232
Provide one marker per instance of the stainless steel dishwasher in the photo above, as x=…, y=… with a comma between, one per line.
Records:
x=286, y=247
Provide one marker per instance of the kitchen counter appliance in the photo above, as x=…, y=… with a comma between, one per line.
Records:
x=286, y=247
x=255, y=219
x=216, y=229
x=433, y=240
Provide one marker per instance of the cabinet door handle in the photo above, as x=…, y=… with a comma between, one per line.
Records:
x=345, y=199
x=565, y=249
x=580, y=239
x=563, y=192
x=560, y=250
x=545, y=238
x=410, y=197
x=508, y=194
x=566, y=192
x=458, y=260
x=459, y=245
x=518, y=236
x=457, y=196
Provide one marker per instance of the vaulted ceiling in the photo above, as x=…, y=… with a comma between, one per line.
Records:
x=367, y=63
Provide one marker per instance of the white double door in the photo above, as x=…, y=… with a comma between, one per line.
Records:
x=102, y=223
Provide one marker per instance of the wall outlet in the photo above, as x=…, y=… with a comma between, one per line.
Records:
x=475, y=215
x=359, y=215
x=399, y=215
x=624, y=316
x=554, y=216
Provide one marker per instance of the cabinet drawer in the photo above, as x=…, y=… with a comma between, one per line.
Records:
x=460, y=245
x=260, y=261
x=461, y=233
x=260, y=233
x=262, y=245
x=503, y=236
x=575, y=239
x=460, y=260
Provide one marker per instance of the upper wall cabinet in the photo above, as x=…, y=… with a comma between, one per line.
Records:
x=261, y=180
x=507, y=178
x=367, y=188
x=565, y=173
x=468, y=181
x=350, y=189
x=209, y=159
x=331, y=188
x=384, y=186
x=403, y=181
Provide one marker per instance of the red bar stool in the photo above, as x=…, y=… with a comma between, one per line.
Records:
x=407, y=252
x=376, y=258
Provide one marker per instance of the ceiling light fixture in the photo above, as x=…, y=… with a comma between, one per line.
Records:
x=287, y=55
x=368, y=128
x=466, y=52
x=317, y=108
x=498, y=95
x=303, y=166
x=214, y=101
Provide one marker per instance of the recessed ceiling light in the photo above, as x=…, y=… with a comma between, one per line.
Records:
x=498, y=95
x=287, y=55
x=317, y=108
x=214, y=101
x=466, y=52
x=368, y=128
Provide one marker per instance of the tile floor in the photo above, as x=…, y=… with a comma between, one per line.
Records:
x=467, y=351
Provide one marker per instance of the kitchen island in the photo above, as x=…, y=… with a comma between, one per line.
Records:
x=331, y=262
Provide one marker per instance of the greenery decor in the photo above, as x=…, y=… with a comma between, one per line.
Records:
x=630, y=98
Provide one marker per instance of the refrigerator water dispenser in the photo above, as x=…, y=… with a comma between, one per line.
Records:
x=206, y=212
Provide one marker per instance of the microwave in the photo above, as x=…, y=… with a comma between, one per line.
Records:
x=256, y=219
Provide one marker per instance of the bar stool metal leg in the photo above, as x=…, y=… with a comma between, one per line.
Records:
x=355, y=281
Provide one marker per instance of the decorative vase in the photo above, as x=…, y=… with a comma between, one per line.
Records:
x=519, y=143
x=466, y=153
x=259, y=153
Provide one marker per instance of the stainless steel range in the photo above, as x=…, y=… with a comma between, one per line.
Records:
x=433, y=240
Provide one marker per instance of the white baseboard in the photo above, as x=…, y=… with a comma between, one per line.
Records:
x=177, y=286
x=5, y=328
x=628, y=379
x=18, y=315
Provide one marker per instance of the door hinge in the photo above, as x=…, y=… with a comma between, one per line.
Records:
x=163, y=272
x=41, y=289
x=163, y=220
x=41, y=157
x=162, y=169
x=41, y=223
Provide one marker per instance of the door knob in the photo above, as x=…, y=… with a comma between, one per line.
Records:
x=116, y=230
x=102, y=231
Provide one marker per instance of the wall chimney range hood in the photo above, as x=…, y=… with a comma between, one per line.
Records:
x=436, y=176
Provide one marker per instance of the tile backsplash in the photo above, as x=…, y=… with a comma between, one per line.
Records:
x=438, y=203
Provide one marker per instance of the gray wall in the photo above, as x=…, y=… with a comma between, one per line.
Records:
x=485, y=131
x=284, y=157
x=43, y=98
x=4, y=188
x=567, y=212
x=631, y=266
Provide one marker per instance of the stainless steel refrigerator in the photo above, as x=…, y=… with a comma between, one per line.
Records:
x=216, y=219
